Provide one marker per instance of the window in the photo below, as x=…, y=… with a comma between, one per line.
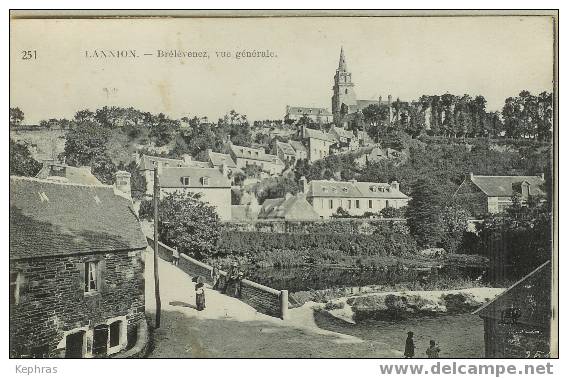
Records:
x=321, y=203
x=331, y=204
x=370, y=204
x=205, y=181
x=185, y=181
x=91, y=276
x=357, y=204
x=14, y=288
x=345, y=91
x=349, y=204
x=114, y=334
x=340, y=203
x=387, y=203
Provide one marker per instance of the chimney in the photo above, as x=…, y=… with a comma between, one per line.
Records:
x=187, y=158
x=224, y=170
x=304, y=184
x=395, y=185
x=122, y=183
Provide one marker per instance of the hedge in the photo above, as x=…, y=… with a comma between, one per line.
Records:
x=384, y=242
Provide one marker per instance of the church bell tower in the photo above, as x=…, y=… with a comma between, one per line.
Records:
x=344, y=100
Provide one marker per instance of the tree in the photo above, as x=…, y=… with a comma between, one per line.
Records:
x=16, y=116
x=453, y=221
x=377, y=117
x=21, y=161
x=519, y=239
x=189, y=224
x=86, y=145
x=423, y=213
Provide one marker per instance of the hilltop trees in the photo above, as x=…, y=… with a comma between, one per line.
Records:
x=528, y=116
x=21, y=161
x=86, y=144
x=16, y=116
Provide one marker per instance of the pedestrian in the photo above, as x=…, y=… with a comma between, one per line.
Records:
x=433, y=351
x=232, y=276
x=239, y=284
x=175, y=257
x=200, y=296
x=409, y=347
x=215, y=275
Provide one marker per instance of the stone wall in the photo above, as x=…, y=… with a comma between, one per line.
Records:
x=52, y=301
x=262, y=298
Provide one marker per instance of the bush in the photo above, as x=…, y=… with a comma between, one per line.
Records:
x=383, y=242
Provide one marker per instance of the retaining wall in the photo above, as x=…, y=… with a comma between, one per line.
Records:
x=262, y=298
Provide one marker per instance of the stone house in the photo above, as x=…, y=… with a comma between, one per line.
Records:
x=285, y=152
x=493, y=194
x=211, y=183
x=356, y=198
x=290, y=207
x=245, y=156
x=318, y=143
x=517, y=323
x=346, y=140
x=148, y=163
x=318, y=115
x=76, y=270
x=300, y=151
x=225, y=163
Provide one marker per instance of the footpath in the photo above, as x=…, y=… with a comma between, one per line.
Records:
x=229, y=328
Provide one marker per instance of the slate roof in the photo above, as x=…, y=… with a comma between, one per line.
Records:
x=502, y=186
x=147, y=161
x=350, y=189
x=290, y=208
x=286, y=148
x=531, y=295
x=318, y=134
x=56, y=219
x=170, y=177
x=298, y=146
x=76, y=175
x=307, y=111
x=218, y=159
x=255, y=153
x=342, y=133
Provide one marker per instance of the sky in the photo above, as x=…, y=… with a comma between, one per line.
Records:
x=406, y=57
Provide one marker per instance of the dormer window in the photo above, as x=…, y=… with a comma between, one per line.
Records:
x=345, y=189
x=185, y=181
x=205, y=181
x=324, y=189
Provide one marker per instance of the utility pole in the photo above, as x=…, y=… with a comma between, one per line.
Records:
x=156, y=246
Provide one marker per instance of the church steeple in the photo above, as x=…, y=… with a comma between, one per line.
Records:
x=344, y=100
x=342, y=62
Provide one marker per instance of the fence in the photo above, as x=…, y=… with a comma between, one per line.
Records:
x=262, y=298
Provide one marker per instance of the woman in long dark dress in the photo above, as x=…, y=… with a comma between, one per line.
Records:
x=200, y=296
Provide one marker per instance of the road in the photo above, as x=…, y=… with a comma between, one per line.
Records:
x=229, y=328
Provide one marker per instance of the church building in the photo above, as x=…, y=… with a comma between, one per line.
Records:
x=344, y=102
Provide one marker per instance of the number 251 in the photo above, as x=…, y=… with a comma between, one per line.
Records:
x=29, y=54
